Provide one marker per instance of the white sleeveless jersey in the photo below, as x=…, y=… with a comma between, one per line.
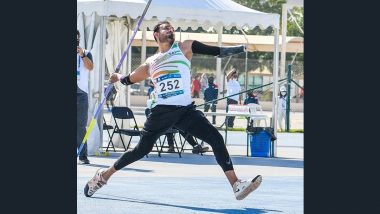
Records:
x=82, y=74
x=170, y=73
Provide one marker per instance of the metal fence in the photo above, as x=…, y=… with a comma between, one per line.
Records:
x=259, y=71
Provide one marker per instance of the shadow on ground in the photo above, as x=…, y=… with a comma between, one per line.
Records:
x=204, y=209
x=124, y=169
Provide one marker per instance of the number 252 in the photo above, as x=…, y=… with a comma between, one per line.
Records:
x=169, y=85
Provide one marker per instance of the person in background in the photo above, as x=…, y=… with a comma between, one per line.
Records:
x=197, y=148
x=251, y=98
x=211, y=93
x=195, y=86
x=204, y=83
x=84, y=67
x=233, y=87
x=301, y=93
x=282, y=106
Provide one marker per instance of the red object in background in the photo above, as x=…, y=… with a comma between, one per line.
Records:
x=301, y=92
x=196, y=85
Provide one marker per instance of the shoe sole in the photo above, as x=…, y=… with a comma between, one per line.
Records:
x=86, y=188
x=255, y=183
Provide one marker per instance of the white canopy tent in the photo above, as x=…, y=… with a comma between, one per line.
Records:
x=255, y=42
x=184, y=14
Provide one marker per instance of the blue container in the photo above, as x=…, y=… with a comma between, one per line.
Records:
x=260, y=144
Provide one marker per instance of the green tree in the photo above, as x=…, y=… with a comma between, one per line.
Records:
x=273, y=6
x=292, y=29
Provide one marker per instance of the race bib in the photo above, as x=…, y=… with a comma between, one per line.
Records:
x=169, y=85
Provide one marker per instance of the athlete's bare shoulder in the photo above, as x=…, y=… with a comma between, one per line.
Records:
x=185, y=47
x=150, y=59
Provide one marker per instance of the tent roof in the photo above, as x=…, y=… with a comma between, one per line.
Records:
x=184, y=13
x=119, y=8
x=255, y=43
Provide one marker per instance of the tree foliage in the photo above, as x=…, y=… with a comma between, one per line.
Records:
x=274, y=6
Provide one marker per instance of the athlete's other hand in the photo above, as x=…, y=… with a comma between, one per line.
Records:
x=115, y=77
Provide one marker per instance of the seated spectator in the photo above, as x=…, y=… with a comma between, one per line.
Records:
x=197, y=148
x=251, y=98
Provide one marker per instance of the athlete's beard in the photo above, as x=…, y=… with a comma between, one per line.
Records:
x=169, y=38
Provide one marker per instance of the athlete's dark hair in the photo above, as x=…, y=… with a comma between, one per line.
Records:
x=157, y=27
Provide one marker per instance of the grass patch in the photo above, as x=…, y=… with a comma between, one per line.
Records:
x=296, y=131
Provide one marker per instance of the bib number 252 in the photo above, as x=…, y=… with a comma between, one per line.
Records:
x=169, y=85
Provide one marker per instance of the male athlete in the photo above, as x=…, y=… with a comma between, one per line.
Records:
x=169, y=70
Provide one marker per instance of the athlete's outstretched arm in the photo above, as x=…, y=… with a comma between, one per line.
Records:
x=140, y=74
x=197, y=47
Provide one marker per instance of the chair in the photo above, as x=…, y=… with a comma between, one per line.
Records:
x=257, y=110
x=107, y=128
x=124, y=113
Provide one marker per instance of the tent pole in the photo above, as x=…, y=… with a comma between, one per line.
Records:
x=102, y=64
x=275, y=89
x=246, y=64
x=129, y=60
x=283, y=35
x=219, y=60
x=143, y=54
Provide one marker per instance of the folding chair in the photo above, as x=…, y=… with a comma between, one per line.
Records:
x=124, y=113
x=107, y=128
x=172, y=131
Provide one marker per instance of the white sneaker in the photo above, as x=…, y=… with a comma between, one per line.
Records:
x=243, y=188
x=95, y=183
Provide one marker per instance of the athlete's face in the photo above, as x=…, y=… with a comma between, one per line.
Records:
x=166, y=33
